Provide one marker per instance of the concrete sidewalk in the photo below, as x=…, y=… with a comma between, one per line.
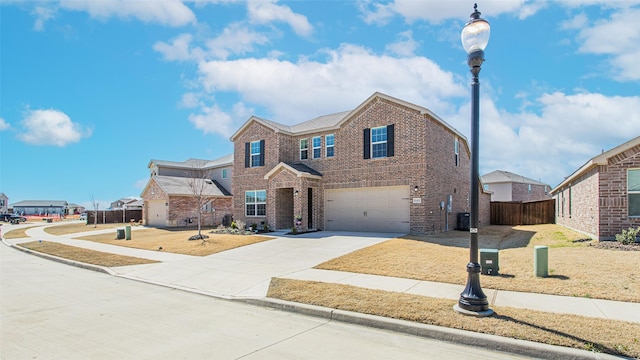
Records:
x=246, y=272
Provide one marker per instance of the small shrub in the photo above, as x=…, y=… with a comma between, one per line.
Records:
x=265, y=227
x=628, y=237
x=254, y=227
x=234, y=225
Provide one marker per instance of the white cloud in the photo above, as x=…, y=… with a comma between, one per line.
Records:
x=235, y=39
x=42, y=14
x=4, y=125
x=213, y=120
x=50, y=127
x=177, y=50
x=166, y=12
x=266, y=11
x=618, y=37
x=338, y=84
x=438, y=11
x=404, y=46
x=550, y=144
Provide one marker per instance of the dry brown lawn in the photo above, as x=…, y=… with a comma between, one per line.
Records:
x=575, y=267
x=610, y=336
x=177, y=241
x=72, y=228
x=16, y=233
x=84, y=255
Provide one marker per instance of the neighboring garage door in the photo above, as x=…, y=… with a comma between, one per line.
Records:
x=380, y=209
x=157, y=213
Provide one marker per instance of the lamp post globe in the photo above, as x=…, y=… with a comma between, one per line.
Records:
x=475, y=37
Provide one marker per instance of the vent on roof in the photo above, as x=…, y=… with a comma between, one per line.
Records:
x=208, y=181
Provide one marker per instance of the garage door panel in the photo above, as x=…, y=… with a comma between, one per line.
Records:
x=157, y=213
x=380, y=209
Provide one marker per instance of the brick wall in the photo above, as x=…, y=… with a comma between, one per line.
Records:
x=424, y=157
x=614, y=216
x=520, y=192
x=184, y=207
x=595, y=203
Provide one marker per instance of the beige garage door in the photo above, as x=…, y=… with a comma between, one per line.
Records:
x=157, y=213
x=380, y=209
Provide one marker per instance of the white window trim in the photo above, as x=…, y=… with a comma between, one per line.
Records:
x=327, y=146
x=255, y=204
x=629, y=192
x=456, y=150
x=314, y=147
x=304, y=149
x=378, y=143
x=252, y=154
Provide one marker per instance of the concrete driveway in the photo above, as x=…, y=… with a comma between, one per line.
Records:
x=247, y=271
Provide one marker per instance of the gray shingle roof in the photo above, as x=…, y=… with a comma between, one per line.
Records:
x=40, y=203
x=196, y=163
x=174, y=185
x=304, y=169
x=500, y=176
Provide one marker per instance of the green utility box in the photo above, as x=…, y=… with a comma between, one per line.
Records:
x=127, y=232
x=119, y=234
x=541, y=261
x=489, y=261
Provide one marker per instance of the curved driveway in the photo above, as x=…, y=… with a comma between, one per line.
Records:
x=241, y=272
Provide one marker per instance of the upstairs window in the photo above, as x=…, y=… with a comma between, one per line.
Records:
x=304, y=149
x=254, y=154
x=456, y=152
x=379, y=142
x=224, y=173
x=329, y=142
x=316, y=142
x=633, y=190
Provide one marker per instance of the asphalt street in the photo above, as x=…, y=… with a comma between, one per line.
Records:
x=54, y=311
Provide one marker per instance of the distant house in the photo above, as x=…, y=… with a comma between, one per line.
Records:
x=41, y=207
x=4, y=203
x=121, y=203
x=387, y=165
x=602, y=197
x=75, y=209
x=169, y=199
x=507, y=186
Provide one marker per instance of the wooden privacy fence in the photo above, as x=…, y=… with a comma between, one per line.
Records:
x=523, y=213
x=114, y=216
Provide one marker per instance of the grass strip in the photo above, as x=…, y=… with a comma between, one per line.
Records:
x=86, y=256
x=599, y=335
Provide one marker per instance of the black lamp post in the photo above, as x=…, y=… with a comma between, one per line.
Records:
x=475, y=36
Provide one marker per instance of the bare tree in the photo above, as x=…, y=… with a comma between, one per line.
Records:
x=95, y=214
x=200, y=185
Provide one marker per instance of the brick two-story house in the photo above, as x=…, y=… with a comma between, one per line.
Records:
x=602, y=197
x=170, y=196
x=387, y=166
x=507, y=186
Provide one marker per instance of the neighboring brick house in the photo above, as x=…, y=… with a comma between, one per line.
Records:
x=602, y=197
x=120, y=203
x=507, y=186
x=170, y=199
x=4, y=203
x=387, y=166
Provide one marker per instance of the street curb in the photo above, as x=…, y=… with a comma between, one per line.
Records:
x=61, y=260
x=486, y=341
x=469, y=338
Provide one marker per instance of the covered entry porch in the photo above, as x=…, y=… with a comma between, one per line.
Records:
x=295, y=197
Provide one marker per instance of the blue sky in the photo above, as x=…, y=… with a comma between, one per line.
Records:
x=91, y=91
